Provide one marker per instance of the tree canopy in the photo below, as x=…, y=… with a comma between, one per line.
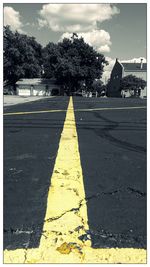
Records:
x=73, y=61
x=132, y=82
x=99, y=87
x=22, y=56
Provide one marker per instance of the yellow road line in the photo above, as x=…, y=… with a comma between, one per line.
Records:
x=100, y=109
x=33, y=112
x=63, y=110
x=66, y=215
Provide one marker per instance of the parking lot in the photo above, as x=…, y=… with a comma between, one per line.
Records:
x=101, y=140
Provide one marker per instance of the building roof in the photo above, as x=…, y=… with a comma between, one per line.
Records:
x=134, y=67
x=35, y=81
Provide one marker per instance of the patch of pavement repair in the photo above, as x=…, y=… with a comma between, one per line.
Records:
x=10, y=100
x=66, y=237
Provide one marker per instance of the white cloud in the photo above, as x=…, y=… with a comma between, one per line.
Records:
x=133, y=60
x=104, y=48
x=99, y=39
x=75, y=17
x=12, y=18
x=42, y=23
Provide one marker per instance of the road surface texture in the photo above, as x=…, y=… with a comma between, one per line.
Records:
x=9, y=100
x=75, y=181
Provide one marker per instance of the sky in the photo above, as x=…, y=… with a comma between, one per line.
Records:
x=115, y=30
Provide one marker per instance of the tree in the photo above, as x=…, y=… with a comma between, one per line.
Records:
x=73, y=61
x=50, y=55
x=132, y=83
x=22, y=56
x=99, y=87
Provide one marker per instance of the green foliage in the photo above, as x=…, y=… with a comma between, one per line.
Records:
x=22, y=56
x=73, y=61
x=50, y=57
x=132, y=82
x=98, y=86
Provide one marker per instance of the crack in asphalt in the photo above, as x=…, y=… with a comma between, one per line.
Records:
x=139, y=193
x=25, y=255
x=85, y=235
x=104, y=237
x=82, y=202
x=71, y=210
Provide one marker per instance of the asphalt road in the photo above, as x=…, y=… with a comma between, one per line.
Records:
x=112, y=145
x=30, y=149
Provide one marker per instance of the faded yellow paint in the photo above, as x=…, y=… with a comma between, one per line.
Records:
x=88, y=255
x=109, y=108
x=33, y=112
x=66, y=215
x=63, y=110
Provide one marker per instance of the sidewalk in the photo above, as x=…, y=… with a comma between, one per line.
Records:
x=9, y=100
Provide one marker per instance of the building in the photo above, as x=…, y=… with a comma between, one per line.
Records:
x=122, y=69
x=37, y=87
